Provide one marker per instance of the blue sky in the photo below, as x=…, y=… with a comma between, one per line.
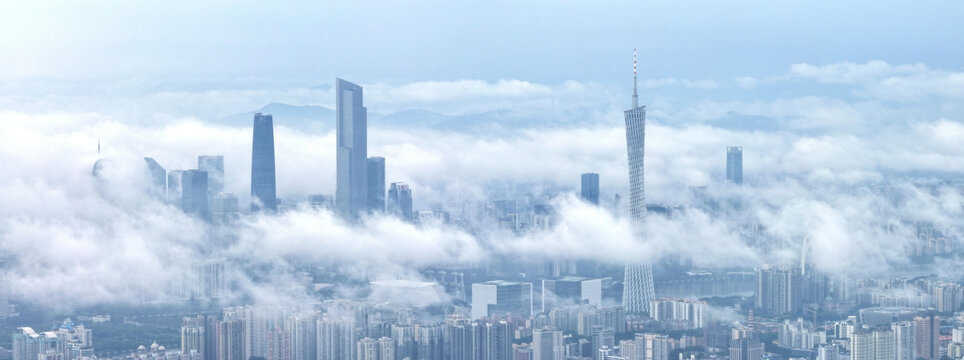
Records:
x=407, y=41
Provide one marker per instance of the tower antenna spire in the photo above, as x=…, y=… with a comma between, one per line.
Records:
x=98, y=146
x=635, y=97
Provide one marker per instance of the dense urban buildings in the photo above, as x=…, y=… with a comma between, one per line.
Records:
x=263, y=191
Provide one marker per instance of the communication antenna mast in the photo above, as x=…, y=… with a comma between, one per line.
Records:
x=635, y=97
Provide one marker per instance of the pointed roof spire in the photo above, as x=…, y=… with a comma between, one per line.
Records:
x=635, y=97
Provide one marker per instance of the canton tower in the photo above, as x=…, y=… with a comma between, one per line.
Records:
x=638, y=279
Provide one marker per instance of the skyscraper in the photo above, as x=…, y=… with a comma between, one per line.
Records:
x=194, y=193
x=263, y=192
x=778, y=289
x=746, y=346
x=400, y=201
x=352, y=149
x=158, y=177
x=927, y=342
x=192, y=335
x=214, y=165
x=547, y=344
x=905, y=340
x=638, y=278
x=590, y=188
x=376, y=183
x=734, y=164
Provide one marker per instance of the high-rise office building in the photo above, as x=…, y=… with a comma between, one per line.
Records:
x=499, y=297
x=400, y=201
x=571, y=290
x=194, y=193
x=547, y=344
x=746, y=346
x=376, y=183
x=225, y=208
x=590, y=188
x=158, y=177
x=638, y=288
x=602, y=337
x=351, y=193
x=263, y=190
x=927, y=339
x=734, y=164
x=214, y=166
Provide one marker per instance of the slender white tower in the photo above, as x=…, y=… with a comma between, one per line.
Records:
x=638, y=279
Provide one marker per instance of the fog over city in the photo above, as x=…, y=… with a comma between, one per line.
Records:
x=811, y=177
x=799, y=161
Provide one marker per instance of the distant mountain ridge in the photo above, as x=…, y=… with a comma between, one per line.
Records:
x=320, y=119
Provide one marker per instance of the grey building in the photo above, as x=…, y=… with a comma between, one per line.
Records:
x=157, y=175
x=547, y=344
x=590, y=188
x=194, y=193
x=263, y=191
x=571, y=290
x=225, y=208
x=778, y=290
x=351, y=192
x=376, y=183
x=746, y=347
x=400, y=201
x=214, y=165
x=638, y=285
x=499, y=297
x=734, y=164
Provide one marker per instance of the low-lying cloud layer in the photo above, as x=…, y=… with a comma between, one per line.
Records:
x=843, y=196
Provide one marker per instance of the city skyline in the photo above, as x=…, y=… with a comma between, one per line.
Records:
x=488, y=184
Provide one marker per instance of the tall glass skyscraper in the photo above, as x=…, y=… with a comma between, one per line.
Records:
x=376, y=183
x=194, y=193
x=214, y=165
x=263, y=191
x=590, y=188
x=351, y=193
x=400, y=201
x=638, y=278
x=734, y=164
